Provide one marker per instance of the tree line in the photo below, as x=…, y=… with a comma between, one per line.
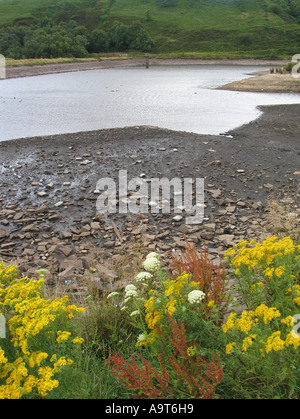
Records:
x=49, y=40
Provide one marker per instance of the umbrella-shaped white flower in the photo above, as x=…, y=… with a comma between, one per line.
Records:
x=143, y=276
x=196, y=296
x=152, y=255
x=151, y=264
x=112, y=294
x=130, y=291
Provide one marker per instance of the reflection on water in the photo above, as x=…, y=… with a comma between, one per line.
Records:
x=174, y=97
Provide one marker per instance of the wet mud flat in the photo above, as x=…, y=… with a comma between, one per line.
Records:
x=48, y=193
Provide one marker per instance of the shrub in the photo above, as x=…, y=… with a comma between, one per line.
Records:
x=262, y=343
x=35, y=349
x=176, y=319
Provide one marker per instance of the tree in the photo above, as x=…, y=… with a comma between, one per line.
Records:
x=98, y=41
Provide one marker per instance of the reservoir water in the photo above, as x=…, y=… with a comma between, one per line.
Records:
x=182, y=98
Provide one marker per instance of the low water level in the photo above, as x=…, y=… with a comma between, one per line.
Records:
x=175, y=97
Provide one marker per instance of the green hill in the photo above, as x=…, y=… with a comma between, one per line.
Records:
x=258, y=28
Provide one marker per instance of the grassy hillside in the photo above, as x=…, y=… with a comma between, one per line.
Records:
x=262, y=28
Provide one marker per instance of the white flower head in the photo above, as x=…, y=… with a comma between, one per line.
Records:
x=143, y=276
x=112, y=294
x=152, y=255
x=130, y=291
x=195, y=296
x=134, y=313
x=141, y=338
x=151, y=264
x=130, y=287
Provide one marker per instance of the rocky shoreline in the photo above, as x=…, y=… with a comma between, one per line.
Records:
x=36, y=70
x=48, y=195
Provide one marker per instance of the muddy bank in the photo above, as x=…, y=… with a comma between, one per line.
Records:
x=35, y=70
x=48, y=195
x=266, y=82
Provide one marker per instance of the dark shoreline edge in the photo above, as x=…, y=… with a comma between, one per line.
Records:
x=35, y=70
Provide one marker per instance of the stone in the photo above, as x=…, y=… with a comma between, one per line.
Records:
x=210, y=227
x=74, y=263
x=109, y=244
x=3, y=233
x=184, y=229
x=28, y=252
x=106, y=273
x=206, y=235
x=95, y=225
x=18, y=216
x=42, y=194
x=30, y=228
x=215, y=193
x=66, y=250
x=230, y=209
x=68, y=273
x=66, y=235
x=227, y=239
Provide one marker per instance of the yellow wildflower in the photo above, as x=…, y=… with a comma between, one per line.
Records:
x=267, y=313
x=246, y=322
x=230, y=322
x=30, y=314
x=171, y=306
x=292, y=339
x=289, y=321
x=3, y=360
x=279, y=271
x=229, y=348
x=29, y=383
x=78, y=340
x=62, y=336
x=257, y=285
x=191, y=350
x=248, y=341
x=275, y=343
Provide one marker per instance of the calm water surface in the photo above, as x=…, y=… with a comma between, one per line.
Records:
x=174, y=97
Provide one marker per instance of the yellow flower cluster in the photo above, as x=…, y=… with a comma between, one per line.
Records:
x=275, y=343
x=296, y=291
x=174, y=286
x=152, y=316
x=7, y=273
x=191, y=350
x=167, y=303
x=230, y=347
x=271, y=272
x=28, y=315
x=62, y=336
x=268, y=314
x=252, y=254
x=248, y=341
x=172, y=292
x=249, y=319
x=32, y=313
